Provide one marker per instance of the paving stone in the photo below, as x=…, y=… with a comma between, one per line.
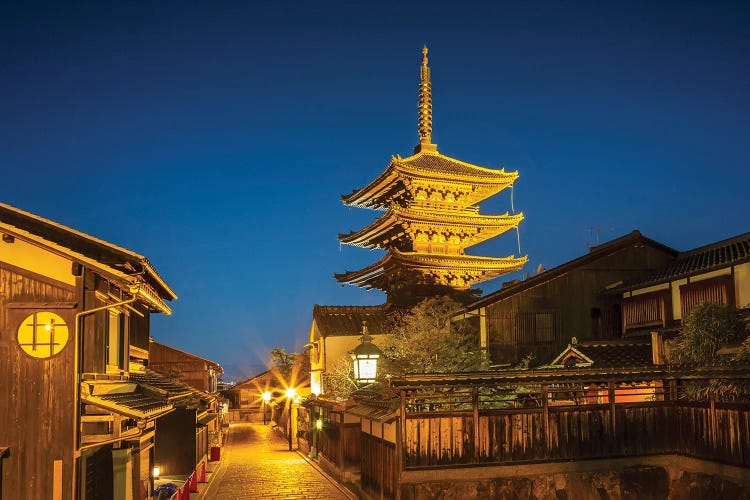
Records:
x=257, y=464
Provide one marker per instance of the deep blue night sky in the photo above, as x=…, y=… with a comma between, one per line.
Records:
x=216, y=138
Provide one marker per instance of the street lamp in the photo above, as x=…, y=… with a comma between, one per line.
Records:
x=266, y=399
x=365, y=357
x=290, y=393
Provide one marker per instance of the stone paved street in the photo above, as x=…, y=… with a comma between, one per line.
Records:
x=257, y=464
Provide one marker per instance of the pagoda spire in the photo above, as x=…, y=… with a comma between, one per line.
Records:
x=425, y=108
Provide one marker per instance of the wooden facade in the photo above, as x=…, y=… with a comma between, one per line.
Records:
x=73, y=327
x=719, y=273
x=195, y=371
x=540, y=314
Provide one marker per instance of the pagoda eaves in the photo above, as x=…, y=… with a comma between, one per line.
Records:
x=407, y=269
x=432, y=216
x=430, y=177
x=417, y=229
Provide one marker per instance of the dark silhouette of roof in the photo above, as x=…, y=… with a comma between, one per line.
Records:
x=347, y=320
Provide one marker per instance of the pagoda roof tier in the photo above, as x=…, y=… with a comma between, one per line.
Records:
x=404, y=224
x=398, y=269
x=405, y=181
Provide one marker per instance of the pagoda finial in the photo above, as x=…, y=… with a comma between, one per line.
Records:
x=425, y=108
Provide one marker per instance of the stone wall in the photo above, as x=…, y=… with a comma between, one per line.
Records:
x=675, y=478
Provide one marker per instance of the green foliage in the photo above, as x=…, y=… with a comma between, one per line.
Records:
x=283, y=360
x=424, y=340
x=706, y=329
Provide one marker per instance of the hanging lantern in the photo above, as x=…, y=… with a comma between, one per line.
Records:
x=365, y=357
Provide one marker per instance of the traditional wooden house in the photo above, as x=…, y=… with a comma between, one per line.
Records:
x=539, y=314
x=719, y=272
x=195, y=371
x=74, y=319
x=336, y=331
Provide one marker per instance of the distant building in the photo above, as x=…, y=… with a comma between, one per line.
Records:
x=75, y=315
x=193, y=370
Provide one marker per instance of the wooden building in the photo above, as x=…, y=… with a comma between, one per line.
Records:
x=74, y=327
x=431, y=216
x=195, y=371
x=719, y=272
x=336, y=331
x=541, y=313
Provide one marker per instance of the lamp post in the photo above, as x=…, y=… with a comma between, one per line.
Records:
x=290, y=393
x=266, y=399
x=365, y=357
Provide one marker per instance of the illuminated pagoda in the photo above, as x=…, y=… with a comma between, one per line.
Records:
x=430, y=217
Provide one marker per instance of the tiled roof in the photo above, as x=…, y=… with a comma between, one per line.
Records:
x=347, y=320
x=703, y=259
x=607, y=354
x=124, y=397
x=445, y=164
x=173, y=389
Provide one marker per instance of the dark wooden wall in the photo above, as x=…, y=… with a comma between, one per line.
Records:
x=576, y=302
x=37, y=396
x=194, y=371
x=175, y=442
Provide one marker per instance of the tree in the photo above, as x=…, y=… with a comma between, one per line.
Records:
x=283, y=360
x=338, y=380
x=708, y=327
x=424, y=340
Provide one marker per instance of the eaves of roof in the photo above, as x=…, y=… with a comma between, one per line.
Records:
x=596, y=253
x=707, y=258
x=146, y=293
x=84, y=244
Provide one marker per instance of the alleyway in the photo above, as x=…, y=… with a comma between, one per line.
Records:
x=258, y=465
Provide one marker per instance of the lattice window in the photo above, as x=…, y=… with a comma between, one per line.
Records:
x=717, y=290
x=648, y=309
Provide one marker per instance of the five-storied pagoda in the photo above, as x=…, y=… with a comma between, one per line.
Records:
x=431, y=217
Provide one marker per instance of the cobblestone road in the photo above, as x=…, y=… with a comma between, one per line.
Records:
x=257, y=464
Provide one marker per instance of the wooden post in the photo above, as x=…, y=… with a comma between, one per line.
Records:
x=400, y=440
x=475, y=407
x=612, y=412
x=713, y=424
x=545, y=412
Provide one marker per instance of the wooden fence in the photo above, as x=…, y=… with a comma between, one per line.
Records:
x=378, y=465
x=718, y=432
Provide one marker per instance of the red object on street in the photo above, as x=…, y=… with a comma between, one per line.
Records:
x=215, y=453
x=185, y=492
x=193, y=479
x=202, y=473
x=178, y=495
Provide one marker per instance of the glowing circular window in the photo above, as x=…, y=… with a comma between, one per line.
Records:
x=42, y=334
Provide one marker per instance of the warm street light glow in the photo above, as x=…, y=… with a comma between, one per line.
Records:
x=365, y=357
x=319, y=424
x=266, y=397
x=156, y=472
x=290, y=393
